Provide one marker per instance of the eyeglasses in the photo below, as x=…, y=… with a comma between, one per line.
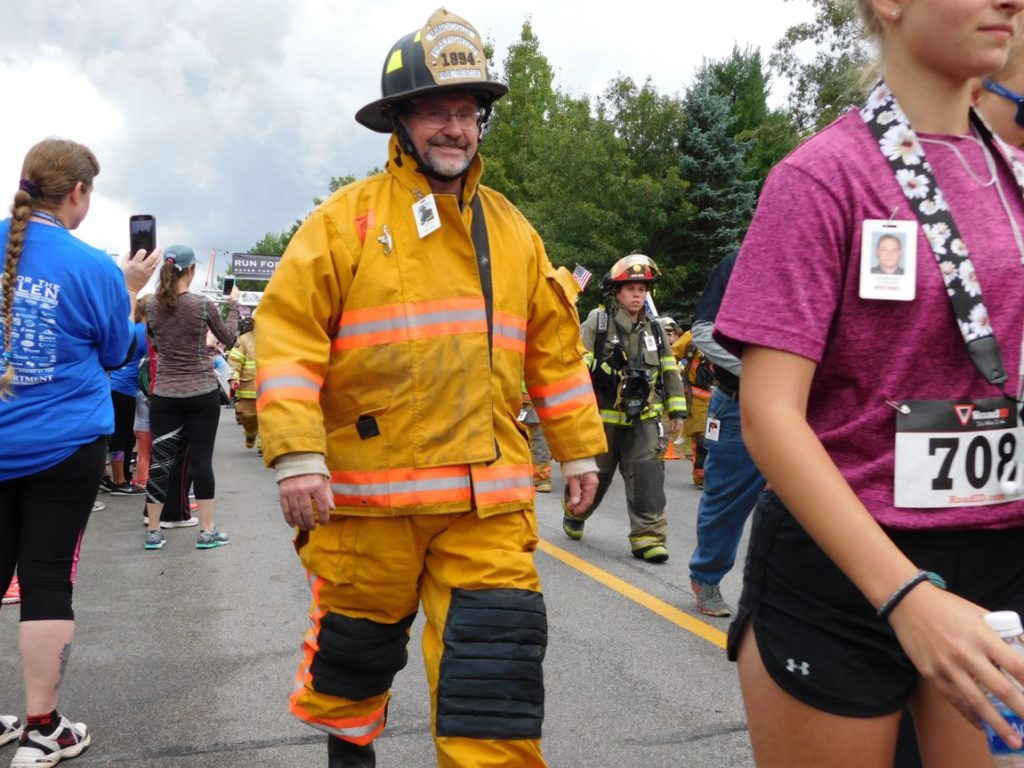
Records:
x=1006, y=93
x=438, y=118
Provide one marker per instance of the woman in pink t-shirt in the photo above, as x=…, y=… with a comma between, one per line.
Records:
x=880, y=414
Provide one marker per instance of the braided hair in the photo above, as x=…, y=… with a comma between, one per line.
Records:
x=50, y=172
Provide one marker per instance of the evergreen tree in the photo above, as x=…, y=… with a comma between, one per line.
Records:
x=720, y=192
x=744, y=80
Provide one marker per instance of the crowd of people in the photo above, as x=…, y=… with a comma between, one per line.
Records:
x=869, y=568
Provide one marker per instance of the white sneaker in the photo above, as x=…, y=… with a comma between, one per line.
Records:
x=180, y=523
x=68, y=740
x=10, y=729
x=98, y=506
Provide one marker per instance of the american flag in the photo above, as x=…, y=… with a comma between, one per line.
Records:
x=582, y=276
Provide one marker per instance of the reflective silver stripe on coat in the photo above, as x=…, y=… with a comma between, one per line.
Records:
x=401, y=486
x=276, y=382
x=510, y=332
x=551, y=401
x=416, y=321
x=502, y=484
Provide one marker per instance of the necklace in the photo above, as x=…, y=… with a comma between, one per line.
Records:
x=990, y=164
x=47, y=216
x=963, y=161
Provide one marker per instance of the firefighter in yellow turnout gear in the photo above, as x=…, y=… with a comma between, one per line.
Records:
x=636, y=380
x=242, y=359
x=392, y=341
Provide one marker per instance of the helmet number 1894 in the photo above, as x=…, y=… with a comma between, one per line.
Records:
x=458, y=58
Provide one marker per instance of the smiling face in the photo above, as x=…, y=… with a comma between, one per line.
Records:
x=953, y=39
x=446, y=148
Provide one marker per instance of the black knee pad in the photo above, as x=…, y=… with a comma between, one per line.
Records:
x=649, y=486
x=491, y=685
x=359, y=658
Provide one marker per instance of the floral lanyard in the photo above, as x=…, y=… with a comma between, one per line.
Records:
x=900, y=146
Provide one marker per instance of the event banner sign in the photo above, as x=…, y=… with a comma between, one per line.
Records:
x=252, y=266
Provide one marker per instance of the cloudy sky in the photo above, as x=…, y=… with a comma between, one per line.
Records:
x=225, y=118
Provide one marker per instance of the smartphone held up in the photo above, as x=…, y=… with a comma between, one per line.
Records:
x=142, y=233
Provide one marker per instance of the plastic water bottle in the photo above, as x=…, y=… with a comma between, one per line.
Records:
x=1007, y=624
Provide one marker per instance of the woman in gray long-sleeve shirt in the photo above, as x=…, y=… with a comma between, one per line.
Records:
x=186, y=397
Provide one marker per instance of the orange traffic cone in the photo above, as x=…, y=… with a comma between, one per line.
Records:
x=670, y=454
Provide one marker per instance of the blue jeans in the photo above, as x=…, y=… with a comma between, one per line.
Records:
x=732, y=483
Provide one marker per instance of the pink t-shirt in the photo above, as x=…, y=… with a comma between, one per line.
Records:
x=795, y=288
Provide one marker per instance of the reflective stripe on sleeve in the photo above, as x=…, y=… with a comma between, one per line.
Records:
x=510, y=332
x=403, y=322
x=286, y=382
x=510, y=482
x=560, y=397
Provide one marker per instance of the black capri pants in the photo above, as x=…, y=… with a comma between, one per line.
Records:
x=42, y=520
x=122, y=441
x=170, y=419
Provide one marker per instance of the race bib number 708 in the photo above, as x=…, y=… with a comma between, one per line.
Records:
x=955, y=453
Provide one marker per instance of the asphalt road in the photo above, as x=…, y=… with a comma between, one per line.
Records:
x=185, y=657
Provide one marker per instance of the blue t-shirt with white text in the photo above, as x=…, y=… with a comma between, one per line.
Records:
x=70, y=324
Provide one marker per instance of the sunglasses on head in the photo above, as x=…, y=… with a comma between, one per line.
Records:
x=1006, y=93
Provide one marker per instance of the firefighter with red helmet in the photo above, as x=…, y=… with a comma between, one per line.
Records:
x=636, y=380
x=391, y=346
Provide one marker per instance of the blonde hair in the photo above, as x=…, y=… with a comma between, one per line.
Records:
x=50, y=172
x=872, y=26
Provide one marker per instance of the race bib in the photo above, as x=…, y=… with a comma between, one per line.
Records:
x=957, y=453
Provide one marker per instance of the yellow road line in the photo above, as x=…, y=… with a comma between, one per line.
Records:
x=660, y=607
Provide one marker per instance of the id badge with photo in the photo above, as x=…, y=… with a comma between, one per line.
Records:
x=712, y=429
x=956, y=453
x=649, y=343
x=888, y=260
x=425, y=213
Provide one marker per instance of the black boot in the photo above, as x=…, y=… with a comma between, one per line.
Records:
x=345, y=754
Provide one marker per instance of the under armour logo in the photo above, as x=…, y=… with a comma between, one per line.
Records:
x=803, y=667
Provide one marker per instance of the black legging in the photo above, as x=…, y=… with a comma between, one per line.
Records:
x=169, y=418
x=42, y=519
x=122, y=441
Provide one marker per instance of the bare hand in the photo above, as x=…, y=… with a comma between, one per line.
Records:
x=582, y=489
x=235, y=294
x=140, y=267
x=955, y=651
x=306, y=500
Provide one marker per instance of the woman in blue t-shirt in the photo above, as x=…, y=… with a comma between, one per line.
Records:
x=65, y=322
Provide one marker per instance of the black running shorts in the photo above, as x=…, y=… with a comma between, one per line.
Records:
x=819, y=637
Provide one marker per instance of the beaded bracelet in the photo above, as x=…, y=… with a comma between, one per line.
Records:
x=904, y=589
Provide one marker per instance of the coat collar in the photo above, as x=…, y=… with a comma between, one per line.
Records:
x=408, y=175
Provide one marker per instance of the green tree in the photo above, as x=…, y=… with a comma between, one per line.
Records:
x=720, y=193
x=824, y=86
x=745, y=82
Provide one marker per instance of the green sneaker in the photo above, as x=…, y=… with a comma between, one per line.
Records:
x=709, y=599
x=211, y=539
